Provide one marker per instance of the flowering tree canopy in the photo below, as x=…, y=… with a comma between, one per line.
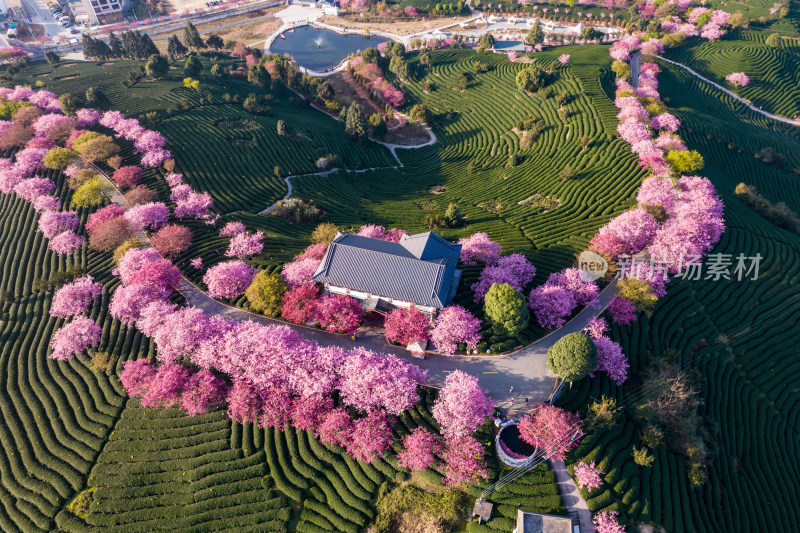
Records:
x=455, y=325
x=243, y=245
x=172, y=240
x=299, y=272
x=512, y=269
x=551, y=429
x=406, y=325
x=203, y=391
x=338, y=313
x=75, y=337
x=150, y=216
x=463, y=461
x=420, y=449
x=738, y=79
x=136, y=376
x=479, y=248
x=588, y=475
x=229, y=279
x=74, y=298
x=370, y=381
x=51, y=223
x=371, y=435
x=127, y=177
x=607, y=522
x=462, y=405
x=298, y=304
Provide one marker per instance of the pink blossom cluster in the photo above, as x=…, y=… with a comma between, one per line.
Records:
x=300, y=271
x=229, y=279
x=75, y=337
x=146, y=278
x=150, y=216
x=462, y=406
x=738, y=79
x=244, y=245
x=74, y=298
x=455, y=325
x=628, y=233
x=588, y=475
x=231, y=229
x=622, y=49
x=513, y=269
x=406, y=326
x=479, y=248
x=390, y=94
x=563, y=59
x=172, y=385
x=611, y=360
x=607, y=522
x=552, y=429
x=87, y=117
x=554, y=301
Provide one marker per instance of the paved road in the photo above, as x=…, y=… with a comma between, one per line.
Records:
x=732, y=94
x=634, y=63
x=525, y=370
x=571, y=496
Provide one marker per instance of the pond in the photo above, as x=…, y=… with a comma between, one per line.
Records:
x=320, y=49
x=510, y=437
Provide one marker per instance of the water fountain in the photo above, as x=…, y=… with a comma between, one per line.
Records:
x=320, y=49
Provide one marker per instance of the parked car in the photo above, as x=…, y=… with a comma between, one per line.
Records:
x=74, y=31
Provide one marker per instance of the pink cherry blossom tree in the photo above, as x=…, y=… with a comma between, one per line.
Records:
x=195, y=205
x=127, y=177
x=166, y=387
x=551, y=429
x=588, y=475
x=611, y=360
x=136, y=376
x=738, y=79
x=127, y=302
x=51, y=223
x=336, y=428
x=371, y=381
x=172, y=240
x=102, y=215
x=74, y=298
x=607, y=522
x=232, y=228
x=371, y=436
x=563, y=59
x=406, y=325
x=203, y=391
x=298, y=303
x=244, y=402
x=244, y=245
x=150, y=216
x=338, y=313
x=420, y=448
x=455, y=325
x=299, y=272
x=308, y=411
x=463, y=461
x=229, y=279
x=462, y=406
x=479, y=248
x=66, y=243
x=32, y=188
x=512, y=269
x=372, y=231
x=276, y=410
x=74, y=337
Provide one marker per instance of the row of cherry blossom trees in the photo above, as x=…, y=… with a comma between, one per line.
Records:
x=679, y=216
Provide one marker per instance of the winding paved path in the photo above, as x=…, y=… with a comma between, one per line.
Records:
x=525, y=370
x=731, y=93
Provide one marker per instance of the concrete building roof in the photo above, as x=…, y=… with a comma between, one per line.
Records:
x=528, y=522
x=419, y=269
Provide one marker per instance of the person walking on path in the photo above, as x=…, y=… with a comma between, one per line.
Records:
x=511, y=389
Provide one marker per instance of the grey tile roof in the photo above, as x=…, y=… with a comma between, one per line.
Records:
x=419, y=269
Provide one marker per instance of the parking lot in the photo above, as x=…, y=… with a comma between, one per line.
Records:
x=53, y=21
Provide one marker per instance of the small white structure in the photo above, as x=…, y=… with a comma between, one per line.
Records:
x=463, y=24
x=549, y=25
x=512, y=20
x=579, y=28
x=329, y=8
x=493, y=19
x=530, y=22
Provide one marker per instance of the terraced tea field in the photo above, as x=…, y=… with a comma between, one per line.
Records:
x=739, y=334
x=774, y=72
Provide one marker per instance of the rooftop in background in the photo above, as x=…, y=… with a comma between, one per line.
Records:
x=418, y=269
x=528, y=522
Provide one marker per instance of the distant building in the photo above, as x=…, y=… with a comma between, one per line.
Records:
x=419, y=270
x=3, y=8
x=528, y=522
x=99, y=11
x=329, y=8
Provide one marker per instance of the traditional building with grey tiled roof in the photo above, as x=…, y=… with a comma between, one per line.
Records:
x=419, y=270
